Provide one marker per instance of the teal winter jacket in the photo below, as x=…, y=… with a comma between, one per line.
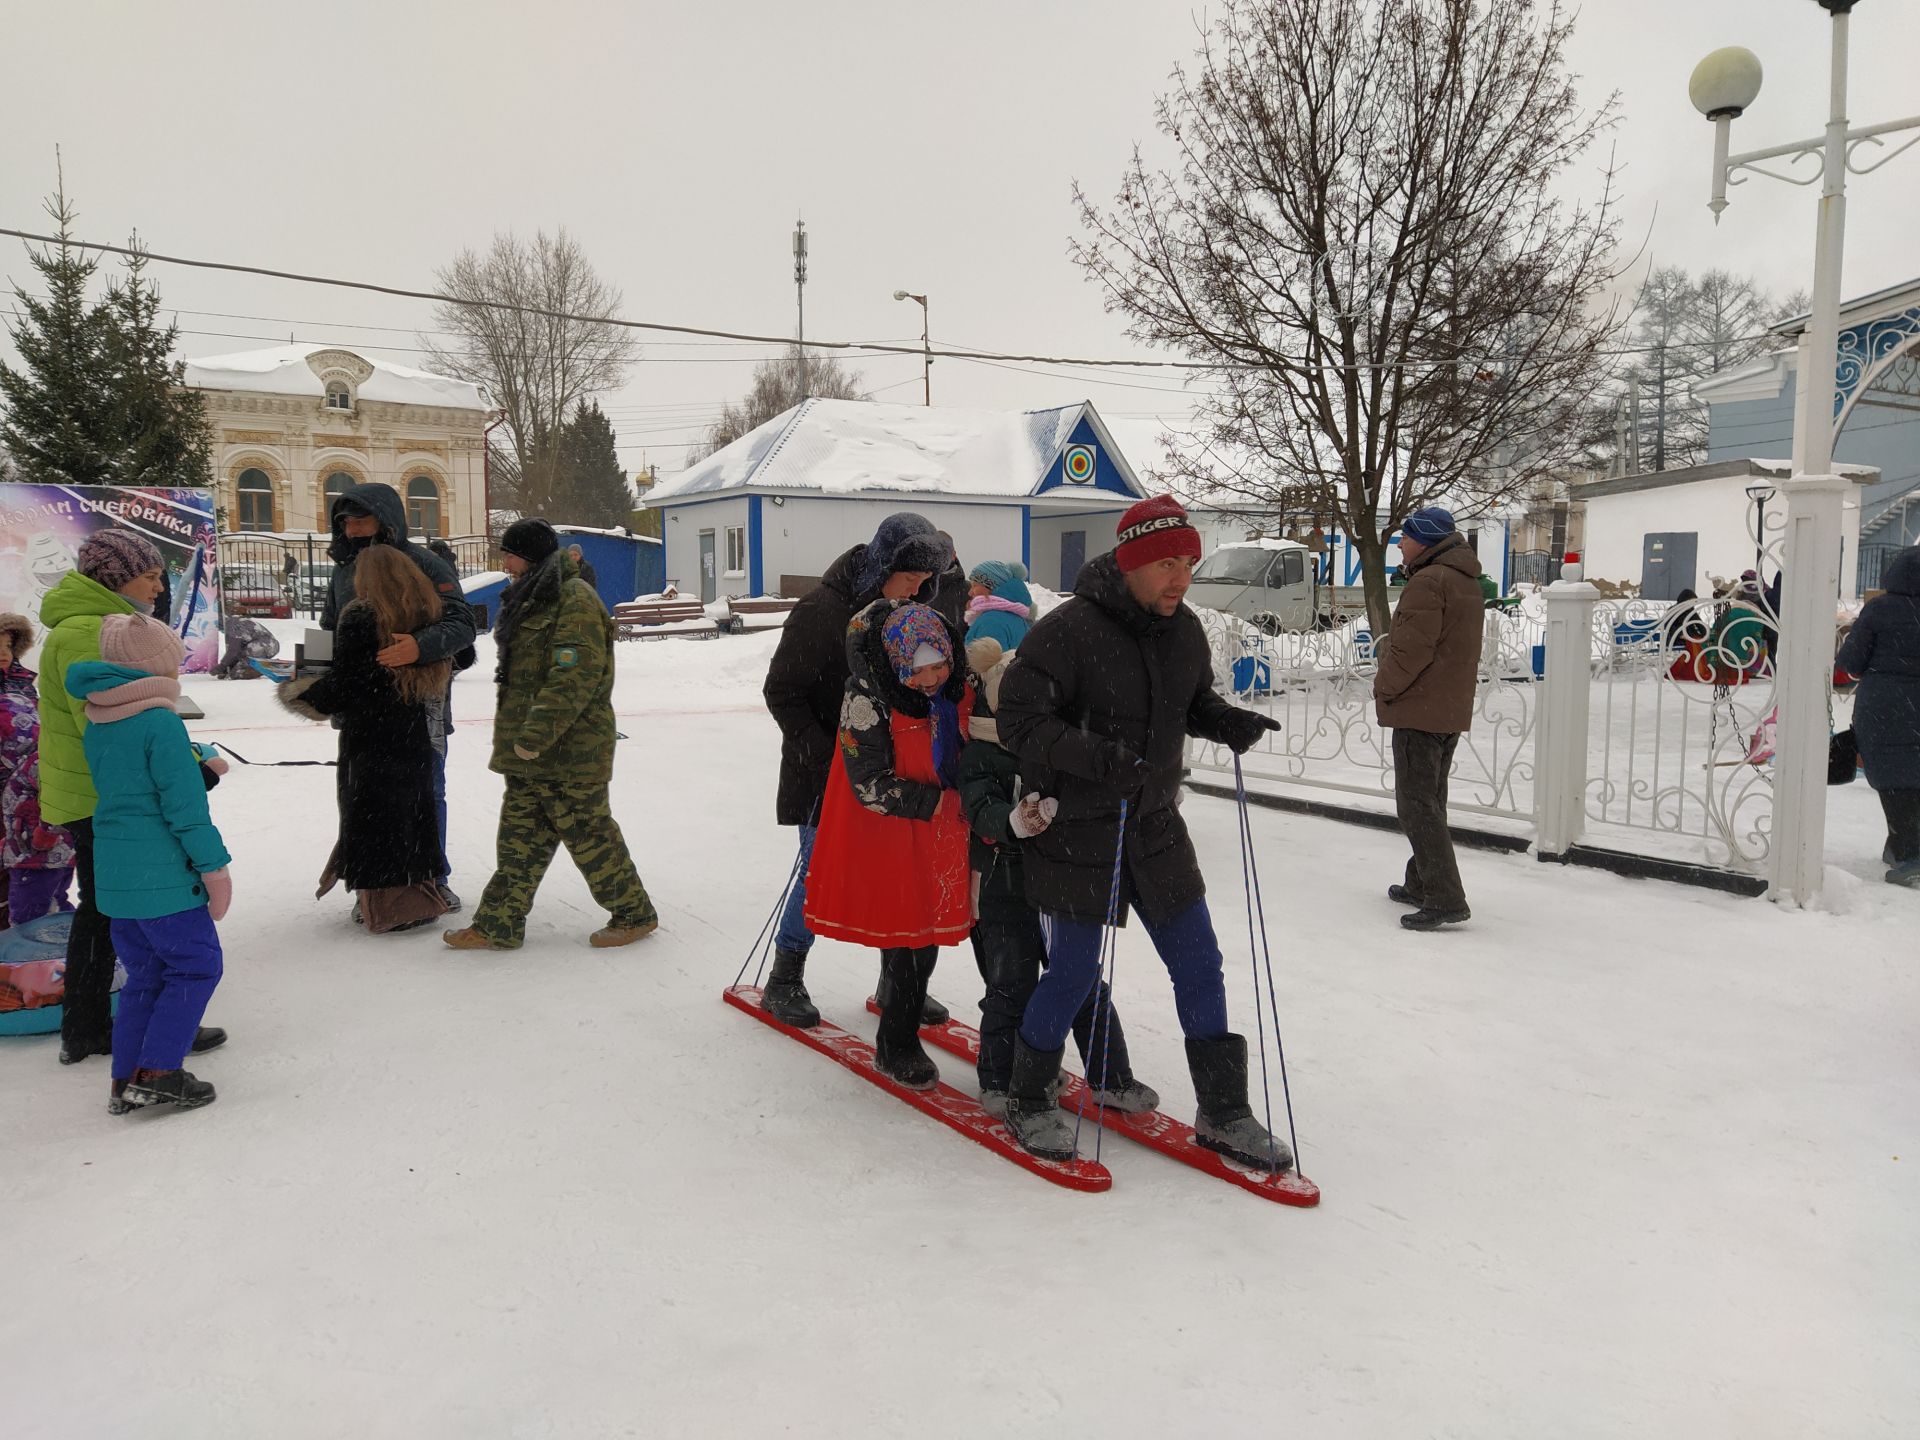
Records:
x=153, y=836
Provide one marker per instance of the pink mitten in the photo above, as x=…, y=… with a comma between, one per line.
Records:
x=219, y=892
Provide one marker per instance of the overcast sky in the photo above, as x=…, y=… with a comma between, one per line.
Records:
x=930, y=146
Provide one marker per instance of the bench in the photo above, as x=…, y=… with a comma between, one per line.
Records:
x=636, y=615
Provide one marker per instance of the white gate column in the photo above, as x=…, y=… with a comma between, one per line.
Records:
x=1560, y=755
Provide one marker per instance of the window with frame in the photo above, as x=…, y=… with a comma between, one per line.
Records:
x=423, y=506
x=736, y=549
x=339, y=395
x=253, y=498
x=337, y=484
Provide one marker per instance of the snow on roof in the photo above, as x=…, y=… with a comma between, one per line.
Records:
x=1265, y=542
x=618, y=532
x=283, y=370
x=844, y=447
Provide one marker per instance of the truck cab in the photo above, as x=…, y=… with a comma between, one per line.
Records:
x=1268, y=583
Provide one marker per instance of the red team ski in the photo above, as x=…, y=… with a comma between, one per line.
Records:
x=952, y=1108
x=1153, y=1129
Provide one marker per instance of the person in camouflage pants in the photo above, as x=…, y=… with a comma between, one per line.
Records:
x=553, y=737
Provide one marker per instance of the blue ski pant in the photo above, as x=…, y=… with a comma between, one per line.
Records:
x=440, y=803
x=792, y=932
x=173, y=964
x=1187, y=947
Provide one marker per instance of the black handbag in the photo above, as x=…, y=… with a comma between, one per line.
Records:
x=1843, y=758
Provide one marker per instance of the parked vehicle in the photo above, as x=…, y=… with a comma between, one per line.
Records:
x=254, y=590
x=310, y=590
x=1266, y=582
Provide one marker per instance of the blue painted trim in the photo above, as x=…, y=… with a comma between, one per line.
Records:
x=754, y=587
x=1026, y=537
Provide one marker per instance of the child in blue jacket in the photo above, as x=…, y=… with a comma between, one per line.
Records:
x=160, y=869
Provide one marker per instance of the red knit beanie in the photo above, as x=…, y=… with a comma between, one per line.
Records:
x=1153, y=530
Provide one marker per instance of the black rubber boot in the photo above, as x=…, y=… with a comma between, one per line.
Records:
x=932, y=1012
x=178, y=1088
x=1033, y=1115
x=897, y=1052
x=207, y=1037
x=785, y=997
x=1225, y=1122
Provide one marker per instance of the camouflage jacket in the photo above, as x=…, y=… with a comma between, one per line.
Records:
x=555, y=680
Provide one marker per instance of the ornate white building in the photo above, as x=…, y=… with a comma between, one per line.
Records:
x=295, y=425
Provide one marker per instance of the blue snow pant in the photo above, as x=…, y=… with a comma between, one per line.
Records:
x=792, y=933
x=173, y=963
x=1187, y=947
x=440, y=805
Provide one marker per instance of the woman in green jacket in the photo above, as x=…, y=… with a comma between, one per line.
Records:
x=119, y=573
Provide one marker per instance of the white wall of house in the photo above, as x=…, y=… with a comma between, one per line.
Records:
x=682, y=530
x=809, y=532
x=1047, y=535
x=1718, y=511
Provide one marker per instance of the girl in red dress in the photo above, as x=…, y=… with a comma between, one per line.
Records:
x=890, y=863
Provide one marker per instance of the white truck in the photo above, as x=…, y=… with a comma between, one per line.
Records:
x=1270, y=583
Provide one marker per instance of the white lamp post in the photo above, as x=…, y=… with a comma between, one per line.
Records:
x=1723, y=86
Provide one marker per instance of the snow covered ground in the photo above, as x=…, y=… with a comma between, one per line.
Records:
x=1618, y=1158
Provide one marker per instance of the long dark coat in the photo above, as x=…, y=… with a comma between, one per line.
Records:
x=808, y=678
x=389, y=829
x=1099, y=680
x=1883, y=649
x=1430, y=662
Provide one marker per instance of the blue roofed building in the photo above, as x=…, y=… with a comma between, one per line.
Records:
x=768, y=513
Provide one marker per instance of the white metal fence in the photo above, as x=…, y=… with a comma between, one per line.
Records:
x=1661, y=709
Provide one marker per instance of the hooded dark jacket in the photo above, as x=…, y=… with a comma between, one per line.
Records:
x=1097, y=682
x=1883, y=649
x=808, y=676
x=1430, y=662
x=453, y=632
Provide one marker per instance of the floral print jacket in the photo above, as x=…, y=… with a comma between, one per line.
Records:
x=28, y=842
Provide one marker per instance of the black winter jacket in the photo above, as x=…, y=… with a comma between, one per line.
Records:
x=807, y=681
x=447, y=637
x=1098, y=682
x=988, y=773
x=1883, y=649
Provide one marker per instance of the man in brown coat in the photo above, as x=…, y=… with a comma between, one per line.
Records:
x=1424, y=693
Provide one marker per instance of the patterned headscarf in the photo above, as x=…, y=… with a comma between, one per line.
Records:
x=911, y=631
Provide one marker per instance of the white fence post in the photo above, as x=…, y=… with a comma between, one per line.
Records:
x=1560, y=745
x=1809, y=592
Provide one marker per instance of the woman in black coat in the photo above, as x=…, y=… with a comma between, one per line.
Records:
x=804, y=687
x=1883, y=650
x=388, y=847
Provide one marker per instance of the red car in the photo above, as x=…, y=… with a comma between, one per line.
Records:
x=255, y=591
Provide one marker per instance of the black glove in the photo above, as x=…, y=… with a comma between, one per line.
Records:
x=1242, y=729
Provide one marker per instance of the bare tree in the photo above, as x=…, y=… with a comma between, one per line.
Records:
x=1666, y=327
x=530, y=321
x=1363, y=244
x=775, y=389
x=1728, y=326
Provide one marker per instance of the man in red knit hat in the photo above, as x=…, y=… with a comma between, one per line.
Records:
x=1097, y=705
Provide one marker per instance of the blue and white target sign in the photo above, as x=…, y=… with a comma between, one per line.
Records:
x=1078, y=465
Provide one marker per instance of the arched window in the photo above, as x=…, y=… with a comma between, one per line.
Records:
x=337, y=484
x=253, y=496
x=339, y=396
x=423, y=506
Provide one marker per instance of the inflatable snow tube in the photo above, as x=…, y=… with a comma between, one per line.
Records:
x=33, y=975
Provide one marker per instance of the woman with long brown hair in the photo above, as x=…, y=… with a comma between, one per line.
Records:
x=391, y=723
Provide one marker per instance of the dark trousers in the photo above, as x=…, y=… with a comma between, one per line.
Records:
x=1011, y=954
x=1903, y=823
x=173, y=963
x=1187, y=946
x=440, y=809
x=87, y=1017
x=1421, y=762
x=32, y=892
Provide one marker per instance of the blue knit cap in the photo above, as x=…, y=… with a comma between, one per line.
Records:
x=1429, y=526
x=995, y=573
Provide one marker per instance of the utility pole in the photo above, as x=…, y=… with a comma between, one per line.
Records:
x=800, y=295
x=1633, y=425
x=926, y=345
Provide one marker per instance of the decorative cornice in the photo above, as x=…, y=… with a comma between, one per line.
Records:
x=253, y=437
x=339, y=442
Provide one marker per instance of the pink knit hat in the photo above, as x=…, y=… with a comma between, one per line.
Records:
x=140, y=643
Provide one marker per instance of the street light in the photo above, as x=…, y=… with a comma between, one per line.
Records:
x=926, y=345
x=1759, y=494
x=1723, y=86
